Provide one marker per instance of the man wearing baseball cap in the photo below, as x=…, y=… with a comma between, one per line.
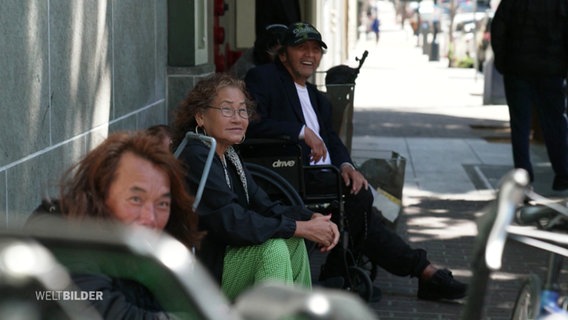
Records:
x=288, y=105
x=302, y=32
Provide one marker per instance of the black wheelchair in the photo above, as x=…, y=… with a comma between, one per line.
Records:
x=277, y=166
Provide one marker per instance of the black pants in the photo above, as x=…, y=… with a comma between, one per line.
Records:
x=368, y=233
x=547, y=95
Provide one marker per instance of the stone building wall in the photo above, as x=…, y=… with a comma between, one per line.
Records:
x=71, y=72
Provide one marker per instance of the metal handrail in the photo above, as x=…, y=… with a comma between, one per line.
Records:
x=213, y=145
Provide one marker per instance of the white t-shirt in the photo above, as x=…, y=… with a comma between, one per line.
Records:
x=311, y=118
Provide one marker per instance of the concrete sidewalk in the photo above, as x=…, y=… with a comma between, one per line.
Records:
x=456, y=149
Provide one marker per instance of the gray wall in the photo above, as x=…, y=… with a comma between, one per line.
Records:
x=71, y=72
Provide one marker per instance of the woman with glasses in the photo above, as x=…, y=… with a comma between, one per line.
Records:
x=249, y=237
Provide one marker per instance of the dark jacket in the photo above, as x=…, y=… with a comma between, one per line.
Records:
x=280, y=111
x=121, y=298
x=224, y=212
x=529, y=38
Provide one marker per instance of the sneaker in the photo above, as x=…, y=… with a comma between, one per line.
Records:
x=442, y=285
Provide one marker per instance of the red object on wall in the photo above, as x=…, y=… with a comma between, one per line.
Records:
x=219, y=8
x=224, y=60
x=232, y=55
x=218, y=34
x=224, y=57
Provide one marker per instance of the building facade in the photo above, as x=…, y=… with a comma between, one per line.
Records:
x=73, y=71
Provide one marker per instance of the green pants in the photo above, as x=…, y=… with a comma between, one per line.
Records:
x=284, y=260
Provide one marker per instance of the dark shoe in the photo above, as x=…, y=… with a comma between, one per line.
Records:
x=560, y=183
x=330, y=277
x=377, y=295
x=332, y=282
x=329, y=270
x=442, y=285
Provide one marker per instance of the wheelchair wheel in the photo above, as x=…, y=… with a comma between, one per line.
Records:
x=356, y=258
x=366, y=264
x=360, y=283
x=275, y=185
x=527, y=305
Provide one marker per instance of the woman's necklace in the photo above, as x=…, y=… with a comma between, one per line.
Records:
x=224, y=162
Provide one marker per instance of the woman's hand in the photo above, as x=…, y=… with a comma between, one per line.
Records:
x=319, y=229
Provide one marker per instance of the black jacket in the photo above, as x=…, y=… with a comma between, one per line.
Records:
x=122, y=298
x=529, y=37
x=226, y=216
x=280, y=111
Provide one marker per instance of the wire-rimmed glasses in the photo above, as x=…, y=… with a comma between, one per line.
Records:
x=229, y=112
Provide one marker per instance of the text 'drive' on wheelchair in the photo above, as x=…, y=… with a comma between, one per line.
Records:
x=277, y=166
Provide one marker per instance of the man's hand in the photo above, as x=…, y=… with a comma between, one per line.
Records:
x=319, y=151
x=353, y=178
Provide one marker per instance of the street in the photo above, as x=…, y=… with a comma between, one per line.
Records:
x=456, y=150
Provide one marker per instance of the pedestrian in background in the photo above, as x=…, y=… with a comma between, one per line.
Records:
x=375, y=27
x=265, y=49
x=164, y=134
x=269, y=12
x=529, y=41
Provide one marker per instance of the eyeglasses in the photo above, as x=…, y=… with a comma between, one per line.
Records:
x=230, y=112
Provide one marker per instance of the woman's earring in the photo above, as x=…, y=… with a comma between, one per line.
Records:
x=202, y=129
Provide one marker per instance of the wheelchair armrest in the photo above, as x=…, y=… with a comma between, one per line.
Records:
x=332, y=170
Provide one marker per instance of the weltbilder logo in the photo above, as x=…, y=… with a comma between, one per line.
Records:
x=283, y=164
x=56, y=295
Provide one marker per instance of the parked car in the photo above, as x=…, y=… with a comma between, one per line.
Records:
x=464, y=51
x=462, y=24
x=463, y=6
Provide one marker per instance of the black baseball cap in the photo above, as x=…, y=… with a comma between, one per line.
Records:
x=301, y=32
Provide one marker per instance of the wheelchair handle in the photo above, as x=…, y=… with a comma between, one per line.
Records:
x=191, y=135
x=361, y=60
